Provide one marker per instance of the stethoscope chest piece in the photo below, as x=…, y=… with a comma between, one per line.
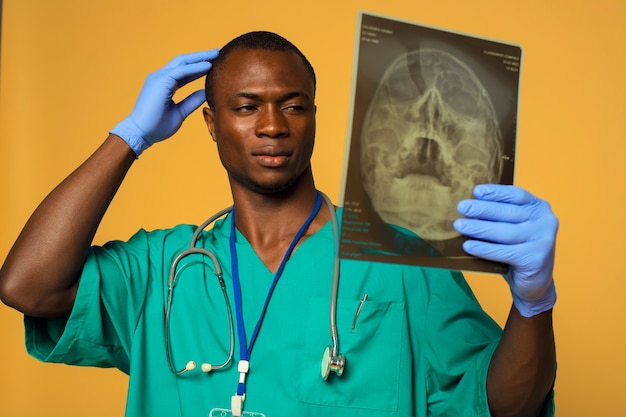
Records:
x=332, y=362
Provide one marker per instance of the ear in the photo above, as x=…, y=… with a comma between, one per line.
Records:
x=209, y=119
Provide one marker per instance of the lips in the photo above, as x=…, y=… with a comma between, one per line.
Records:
x=272, y=157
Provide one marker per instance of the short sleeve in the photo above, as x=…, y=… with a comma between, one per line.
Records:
x=110, y=295
x=461, y=339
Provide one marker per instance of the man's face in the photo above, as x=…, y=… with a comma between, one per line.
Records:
x=263, y=120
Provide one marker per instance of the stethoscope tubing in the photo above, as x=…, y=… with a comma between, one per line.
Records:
x=334, y=294
x=170, y=294
x=218, y=272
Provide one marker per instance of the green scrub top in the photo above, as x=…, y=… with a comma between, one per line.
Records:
x=421, y=344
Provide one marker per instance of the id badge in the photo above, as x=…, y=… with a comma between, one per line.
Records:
x=222, y=412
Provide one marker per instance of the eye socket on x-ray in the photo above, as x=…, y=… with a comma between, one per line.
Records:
x=429, y=136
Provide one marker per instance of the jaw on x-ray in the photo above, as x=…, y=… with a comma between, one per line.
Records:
x=429, y=136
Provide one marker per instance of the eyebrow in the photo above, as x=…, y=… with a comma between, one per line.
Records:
x=284, y=97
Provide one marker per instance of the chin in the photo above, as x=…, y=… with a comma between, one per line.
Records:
x=272, y=187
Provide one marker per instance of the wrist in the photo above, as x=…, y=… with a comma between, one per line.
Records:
x=128, y=134
x=530, y=308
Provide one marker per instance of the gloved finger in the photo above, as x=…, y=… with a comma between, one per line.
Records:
x=518, y=256
x=527, y=259
x=187, y=73
x=498, y=232
x=503, y=193
x=191, y=103
x=494, y=211
x=192, y=58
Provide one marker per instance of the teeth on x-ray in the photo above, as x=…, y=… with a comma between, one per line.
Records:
x=429, y=136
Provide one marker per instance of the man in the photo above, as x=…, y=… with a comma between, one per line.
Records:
x=418, y=345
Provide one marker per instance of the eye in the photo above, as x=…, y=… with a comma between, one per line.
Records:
x=245, y=108
x=294, y=108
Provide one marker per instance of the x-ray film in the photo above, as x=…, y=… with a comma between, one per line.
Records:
x=433, y=113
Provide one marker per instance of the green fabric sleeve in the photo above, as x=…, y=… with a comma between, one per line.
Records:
x=99, y=330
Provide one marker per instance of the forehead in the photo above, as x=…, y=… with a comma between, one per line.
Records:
x=260, y=70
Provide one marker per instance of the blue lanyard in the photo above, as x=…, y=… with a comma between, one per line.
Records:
x=244, y=349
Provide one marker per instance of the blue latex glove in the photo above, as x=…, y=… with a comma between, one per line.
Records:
x=155, y=116
x=519, y=229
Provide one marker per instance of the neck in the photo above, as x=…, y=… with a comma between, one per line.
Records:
x=269, y=221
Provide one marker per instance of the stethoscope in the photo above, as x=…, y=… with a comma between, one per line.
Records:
x=332, y=360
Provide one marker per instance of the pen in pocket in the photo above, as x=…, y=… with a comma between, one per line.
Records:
x=358, y=311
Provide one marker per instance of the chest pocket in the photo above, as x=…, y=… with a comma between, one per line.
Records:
x=373, y=354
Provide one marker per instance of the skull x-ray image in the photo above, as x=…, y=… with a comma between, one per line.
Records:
x=433, y=113
x=429, y=136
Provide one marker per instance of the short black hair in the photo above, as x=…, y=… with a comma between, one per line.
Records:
x=259, y=40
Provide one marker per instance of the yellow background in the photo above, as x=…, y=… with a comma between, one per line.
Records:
x=72, y=69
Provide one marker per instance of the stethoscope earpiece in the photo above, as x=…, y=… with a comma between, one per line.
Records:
x=332, y=362
x=190, y=366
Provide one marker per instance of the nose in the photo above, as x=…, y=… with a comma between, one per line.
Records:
x=272, y=123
